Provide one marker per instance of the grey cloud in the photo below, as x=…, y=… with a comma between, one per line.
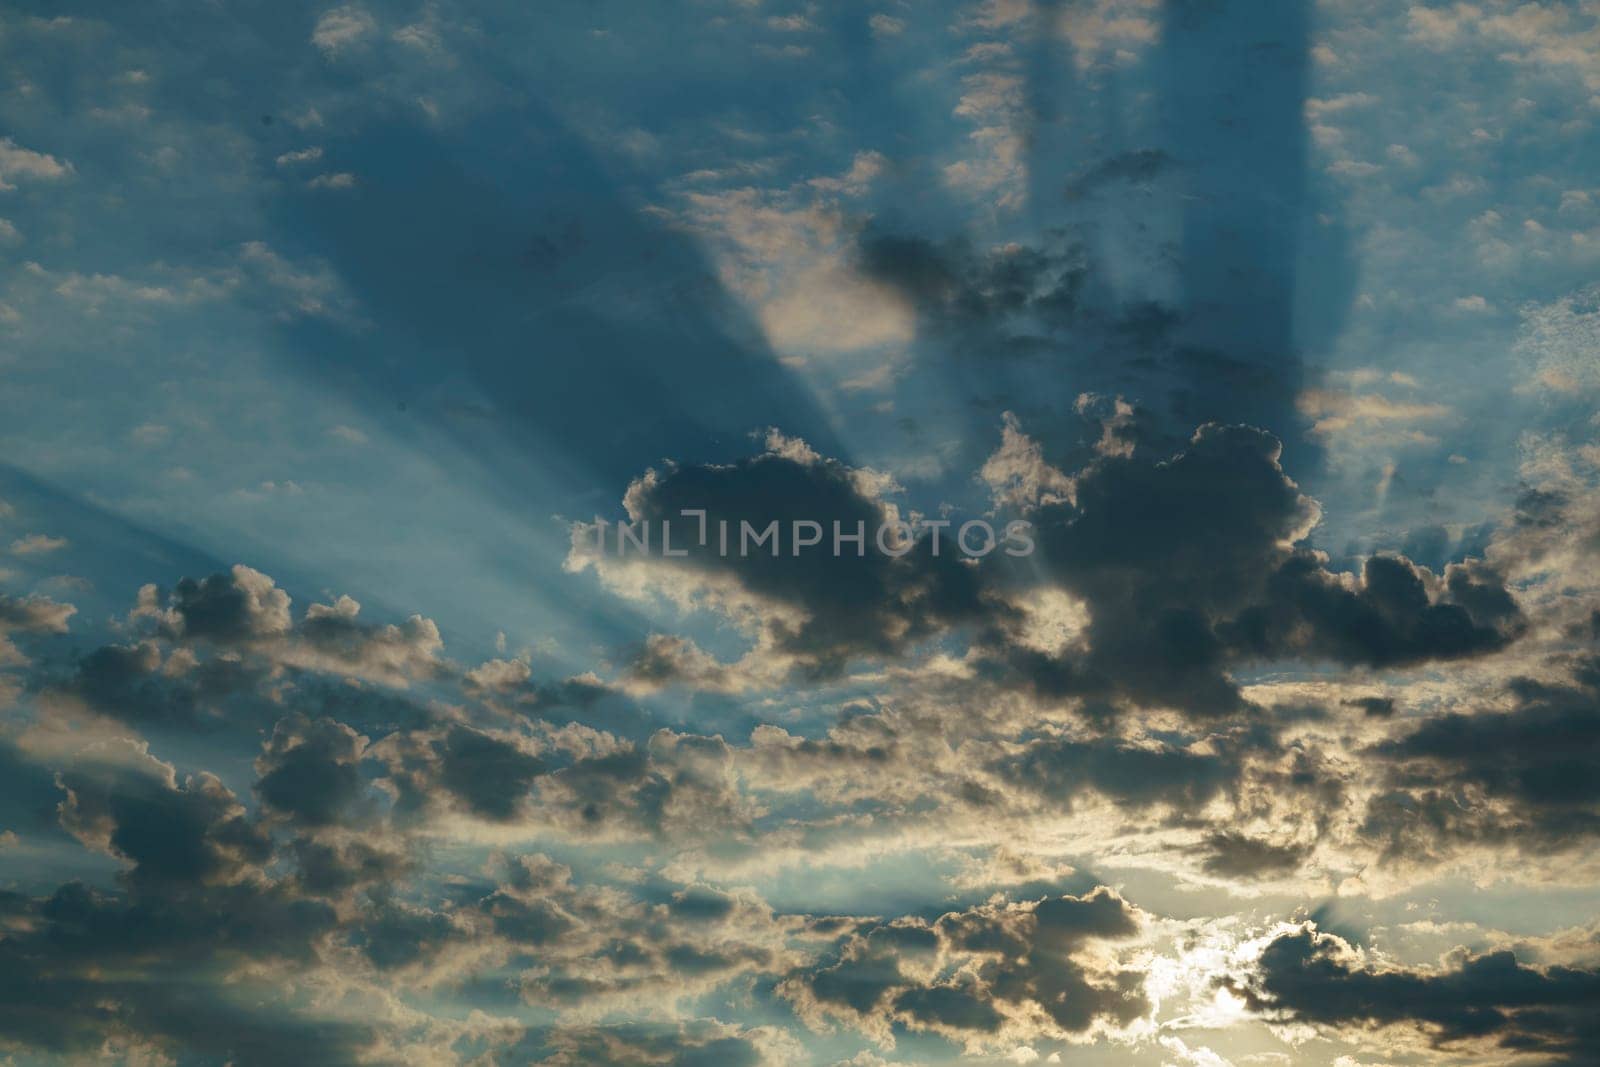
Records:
x=244, y=609
x=1529, y=776
x=1060, y=769
x=695, y=1043
x=146, y=969
x=334, y=866
x=194, y=831
x=675, y=783
x=1191, y=564
x=29, y=615
x=971, y=973
x=487, y=774
x=34, y=614
x=310, y=770
x=1374, y=707
x=241, y=605
x=1236, y=855
x=1490, y=1000
x=838, y=608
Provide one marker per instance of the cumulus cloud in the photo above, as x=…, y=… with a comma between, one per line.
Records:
x=339, y=28
x=23, y=164
x=1192, y=563
x=993, y=973
x=1486, y=1004
x=810, y=613
x=29, y=615
x=245, y=610
x=1522, y=778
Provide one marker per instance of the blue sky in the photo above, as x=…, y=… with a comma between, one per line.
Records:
x=327, y=332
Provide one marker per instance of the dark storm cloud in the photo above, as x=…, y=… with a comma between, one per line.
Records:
x=227, y=678
x=145, y=968
x=533, y=906
x=969, y=973
x=587, y=945
x=671, y=784
x=1192, y=564
x=333, y=867
x=128, y=683
x=1236, y=855
x=1529, y=776
x=310, y=770
x=1492, y=999
x=852, y=604
x=1132, y=775
x=584, y=698
x=189, y=832
x=393, y=934
x=489, y=775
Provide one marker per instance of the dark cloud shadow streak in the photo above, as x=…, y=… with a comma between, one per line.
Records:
x=516, y=295
x=1263, y=266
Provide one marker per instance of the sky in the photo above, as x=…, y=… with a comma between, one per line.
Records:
x=335, y=337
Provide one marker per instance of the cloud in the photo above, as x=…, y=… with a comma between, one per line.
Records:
x=37, y=545
x=883, y=25
x=489, y=775
x=1340, y=412
x=987, y=976
x=810, y=613
x=342, y=27
x=34, y=614
x=309, y=770
x=1522, y=778
x=681, y=1045
x=29, y=615
x=231, y=608
x=1192, y=563
x=24, y=164
x=1018, y=475
x=244, y=609
x=789, y=254
x=1555, y=342
x=1491, y=1004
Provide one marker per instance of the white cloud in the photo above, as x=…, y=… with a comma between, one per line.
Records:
x=1108, y=29
x=886, y=25
x=793, y=261
x=1017, y=474
x=17, y=162
x=341, y=180
x=342, y=27
x=348, y=434
x=304, y=155
x=37, y=545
